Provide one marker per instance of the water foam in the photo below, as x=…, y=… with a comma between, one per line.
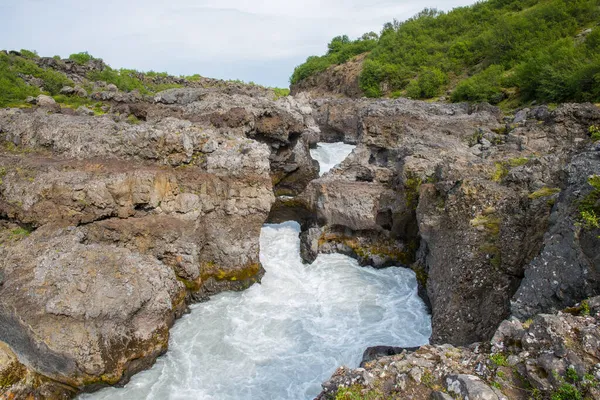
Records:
x=281, y=339
x=330, y=154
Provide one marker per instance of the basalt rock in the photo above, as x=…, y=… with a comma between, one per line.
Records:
x=568, y=268
x=550, y=356
x=453, y=191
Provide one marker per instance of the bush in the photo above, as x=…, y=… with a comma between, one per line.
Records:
x=484, y=86
x=339, y=50
x=427, y=85
x=532, y=40
x=14, y=90
x=81, y=58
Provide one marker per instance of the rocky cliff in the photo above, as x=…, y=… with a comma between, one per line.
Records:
x=464, y=196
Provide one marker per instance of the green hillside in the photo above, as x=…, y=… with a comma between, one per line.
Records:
x=508, y=51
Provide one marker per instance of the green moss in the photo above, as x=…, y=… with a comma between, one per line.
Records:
x=211, y=270
x=133, y=120
x=490, y=223
x=500, y=172
x=421, y=275
x=501, y=169
x=543, y=192
x=412, y=184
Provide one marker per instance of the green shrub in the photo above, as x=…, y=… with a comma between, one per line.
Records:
x=499, y=360
x=281, y=92
x=81, y=58
x=527, y=46
x=567, y=392
x=484, y=86
x=427, y=85
x=594, y=132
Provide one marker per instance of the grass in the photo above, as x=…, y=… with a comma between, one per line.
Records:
x=543, y=192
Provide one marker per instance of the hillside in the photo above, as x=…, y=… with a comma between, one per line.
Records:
x=73, y=81
x=499, y=51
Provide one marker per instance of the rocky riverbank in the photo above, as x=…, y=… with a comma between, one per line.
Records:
x=114, y=219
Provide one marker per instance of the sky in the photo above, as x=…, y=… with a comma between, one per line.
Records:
x=251, y=40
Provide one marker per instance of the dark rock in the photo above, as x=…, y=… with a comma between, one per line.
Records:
x=375, y=352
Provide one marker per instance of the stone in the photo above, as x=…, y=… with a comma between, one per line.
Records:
x=47, y=102
x=83, y=110
x=470, y=387
x=521, y=116
x=440, y=396
x=67, y=90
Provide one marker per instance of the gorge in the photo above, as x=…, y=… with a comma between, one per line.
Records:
x=120, y=214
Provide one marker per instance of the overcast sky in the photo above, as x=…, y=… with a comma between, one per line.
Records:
x=260, y=41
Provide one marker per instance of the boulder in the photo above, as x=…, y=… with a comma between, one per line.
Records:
x=47, y=102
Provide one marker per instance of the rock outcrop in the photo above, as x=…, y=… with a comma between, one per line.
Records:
x=337, y=80
x=551, y=355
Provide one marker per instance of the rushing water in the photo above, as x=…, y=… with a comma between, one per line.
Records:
x=330, y=154
x=281, y=339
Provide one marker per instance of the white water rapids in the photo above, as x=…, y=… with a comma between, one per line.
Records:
x=330, y=154
x=281, y=339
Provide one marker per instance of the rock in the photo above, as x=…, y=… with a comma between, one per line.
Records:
x=83, y=110
x=101, y=297
x=470, y=387
x=31, y=100
x=67, y=90
x=47, y=103
x=112, y=88
x=79, y=91
x=440, y=396
x=521, y=116
x=474, y=372
x=565, y=272
x=375, y=352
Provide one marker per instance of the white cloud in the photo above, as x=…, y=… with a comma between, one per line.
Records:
x=251, y=40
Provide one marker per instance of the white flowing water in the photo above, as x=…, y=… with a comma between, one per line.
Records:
x=330, y=154
x=281, y=339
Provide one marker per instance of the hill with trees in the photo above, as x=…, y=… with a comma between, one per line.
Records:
x=499, y=51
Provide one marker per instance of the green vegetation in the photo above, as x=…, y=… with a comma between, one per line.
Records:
x=281, y=92
x=589, y=206
x=499, y=360
x=594, y=132
x=129, y=80
x=567, y=392
x=509, y=51
x=502, y=168
x=339, y=50
x=13, y=88
x=357, y=392
x=81, y=58
x=543, y=192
